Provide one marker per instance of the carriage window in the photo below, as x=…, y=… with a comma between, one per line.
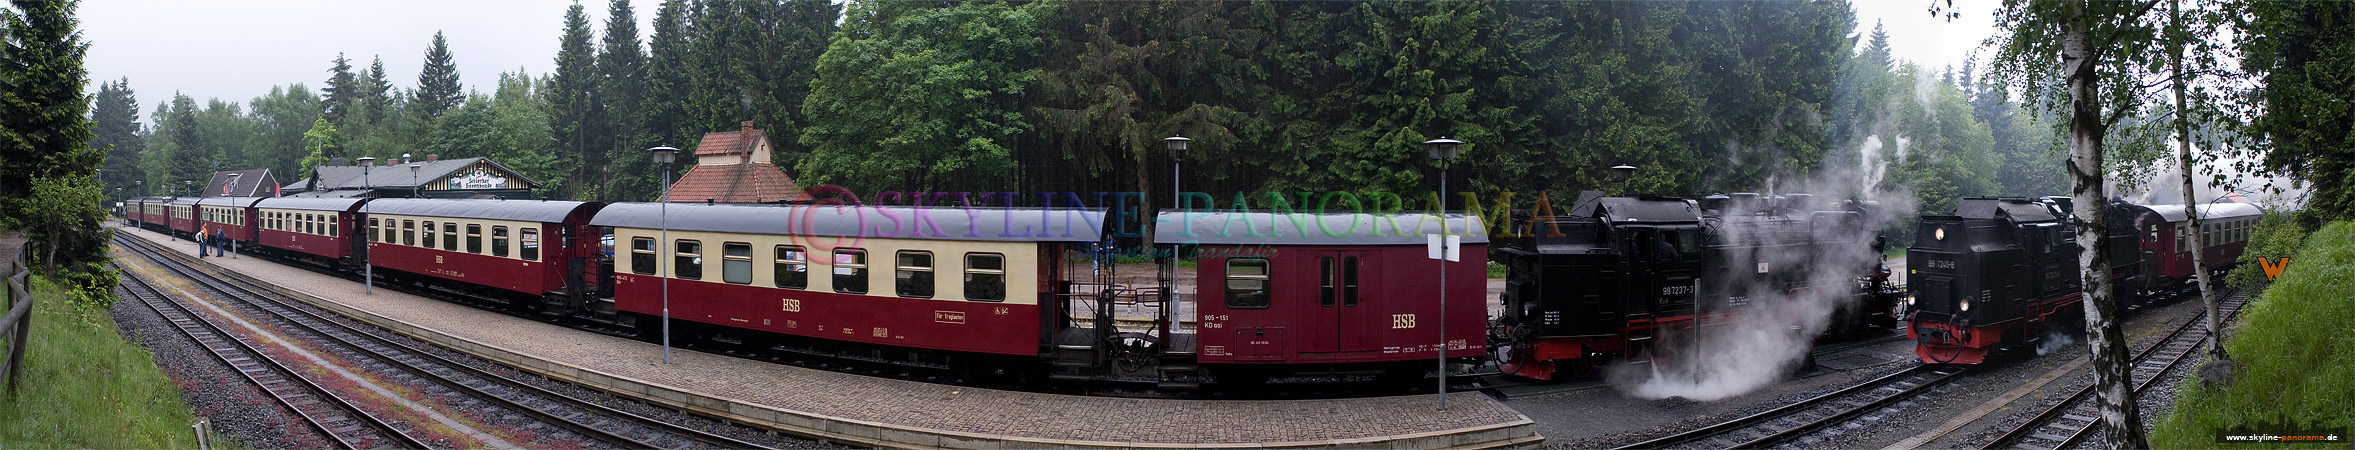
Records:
x=531, y=244
x=1247, y=283
x=450, y=237
x=688, y=259
x=428, y=231
x=793, y=267
x=1349, y=281
x=331, y=226
x=408, y=232
x=373, y=229
x=474, y=238
x=499, y=241
x=642, y=256
x=736, y=263
x=1325, y=289
x=985, y=277
x=850, y=271
x=915, y=275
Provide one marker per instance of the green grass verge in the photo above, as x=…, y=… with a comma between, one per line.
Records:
x=85, y=386
x=2296, y=351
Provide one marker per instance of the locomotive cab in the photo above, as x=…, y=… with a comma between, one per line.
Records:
x=1995, y=273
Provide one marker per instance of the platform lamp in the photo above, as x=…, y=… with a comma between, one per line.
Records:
x=664, y=155
x=368, y=260
x=1626, y=174
x=413, y=176
x=1442, y=150
x=1177, y=199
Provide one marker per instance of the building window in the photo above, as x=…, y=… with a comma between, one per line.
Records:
x=793, y=267
x=688, y=264
x=914, y=278
x=736, y=263
x=428, y=231
x=450, y=236
x=1247, y=283
x=531, y=244
x=985, y=277
x=642, y=256
x=409, y=232
x=474, y=238
x=499, y=241
x=850, y=271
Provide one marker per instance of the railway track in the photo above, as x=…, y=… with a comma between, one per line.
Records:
x=480, y=388
x=320, y=409
x=2070, y=421
x=1799, y=419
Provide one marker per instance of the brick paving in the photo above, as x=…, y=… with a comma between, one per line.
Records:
x=907, y=404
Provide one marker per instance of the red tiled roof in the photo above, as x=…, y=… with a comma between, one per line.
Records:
x=759, y=182
x=731, y=142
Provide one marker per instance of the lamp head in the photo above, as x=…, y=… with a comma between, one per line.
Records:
x=1623, y=171
x=1176, y=143
x=664, y=154
x=1442, y=148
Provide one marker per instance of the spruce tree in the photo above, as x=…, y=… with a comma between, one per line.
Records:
x=622, y=69
x=188, y=160
x=379, y=90
x=43, y=130
x=437, y=85
x=664, y=109
x=114, y=117
x=343, y=90
x=573, y=114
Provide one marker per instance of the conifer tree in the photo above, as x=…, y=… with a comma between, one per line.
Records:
x=574, y=117
x=437, y=85
x=664, y=109
x=188, y=160
x=43, y=132
x=343, y=90
x=114, y=117
x=621, y=67
x=379, y=90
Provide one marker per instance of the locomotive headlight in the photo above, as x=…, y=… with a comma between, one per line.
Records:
x=1909, y=298
x=1966, y=306
x=1939, y=234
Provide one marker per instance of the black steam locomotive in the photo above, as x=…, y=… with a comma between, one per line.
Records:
x=2003, y=272
x=1622, y=277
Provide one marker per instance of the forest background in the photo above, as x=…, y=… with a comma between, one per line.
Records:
x=1701, y=96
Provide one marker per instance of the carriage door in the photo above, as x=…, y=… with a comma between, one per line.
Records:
x=1358, y=320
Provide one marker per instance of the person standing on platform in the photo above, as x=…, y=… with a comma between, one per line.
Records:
x=200, y=241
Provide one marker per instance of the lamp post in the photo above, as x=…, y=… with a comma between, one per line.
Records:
x=368, y=259
x=413, y=187
x=1177, y=200
x=1625, y=173
x=1442, y=150
x=141, y=186
x=663, y=155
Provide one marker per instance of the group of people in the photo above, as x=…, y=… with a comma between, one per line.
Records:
x=212, y=240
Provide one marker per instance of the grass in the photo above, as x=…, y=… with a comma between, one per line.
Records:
x=2295, y=346
x=85, y=386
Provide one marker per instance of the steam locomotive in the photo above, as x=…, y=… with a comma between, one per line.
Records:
x=2003, y=272
x=1635, y=278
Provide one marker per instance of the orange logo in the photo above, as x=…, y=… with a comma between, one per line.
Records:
x=2273, y=269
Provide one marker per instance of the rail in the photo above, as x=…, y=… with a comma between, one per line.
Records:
x=17, y=326
x=2067, y=423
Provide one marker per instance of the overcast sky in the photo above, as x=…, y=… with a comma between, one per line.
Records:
x=235, y=50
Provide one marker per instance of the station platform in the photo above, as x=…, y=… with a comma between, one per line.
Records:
x=887, y=413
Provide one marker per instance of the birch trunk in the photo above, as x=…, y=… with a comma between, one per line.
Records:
x=2103, y=334
x=2191, y=202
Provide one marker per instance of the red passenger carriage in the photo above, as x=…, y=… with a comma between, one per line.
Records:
x=231, y=216
x=182, y=216
x=313, y=229
x=515, y=248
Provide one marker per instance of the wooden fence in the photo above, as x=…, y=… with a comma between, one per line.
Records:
x=17, y=326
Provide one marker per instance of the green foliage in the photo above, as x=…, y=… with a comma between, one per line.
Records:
x=85, y=386
x=2300, y=51
x=343, y=91
x=576, y=115
x=912, y=97
x=319, y=142
x=377, y=95
x=43, y=131
x=2296, y=358
x=62, y=217
x=2279, y=236
x=281, y=120
x=437, y=85
x=114, y=117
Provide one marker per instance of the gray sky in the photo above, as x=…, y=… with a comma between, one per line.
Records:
x=235, y=50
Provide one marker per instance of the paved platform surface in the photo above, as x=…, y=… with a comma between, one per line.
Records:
x=896, y=413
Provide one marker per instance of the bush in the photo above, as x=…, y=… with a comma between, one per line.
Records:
x=2278, y=236
x=2294, y=351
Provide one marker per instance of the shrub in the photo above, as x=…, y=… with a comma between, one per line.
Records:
x=2294, y=352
